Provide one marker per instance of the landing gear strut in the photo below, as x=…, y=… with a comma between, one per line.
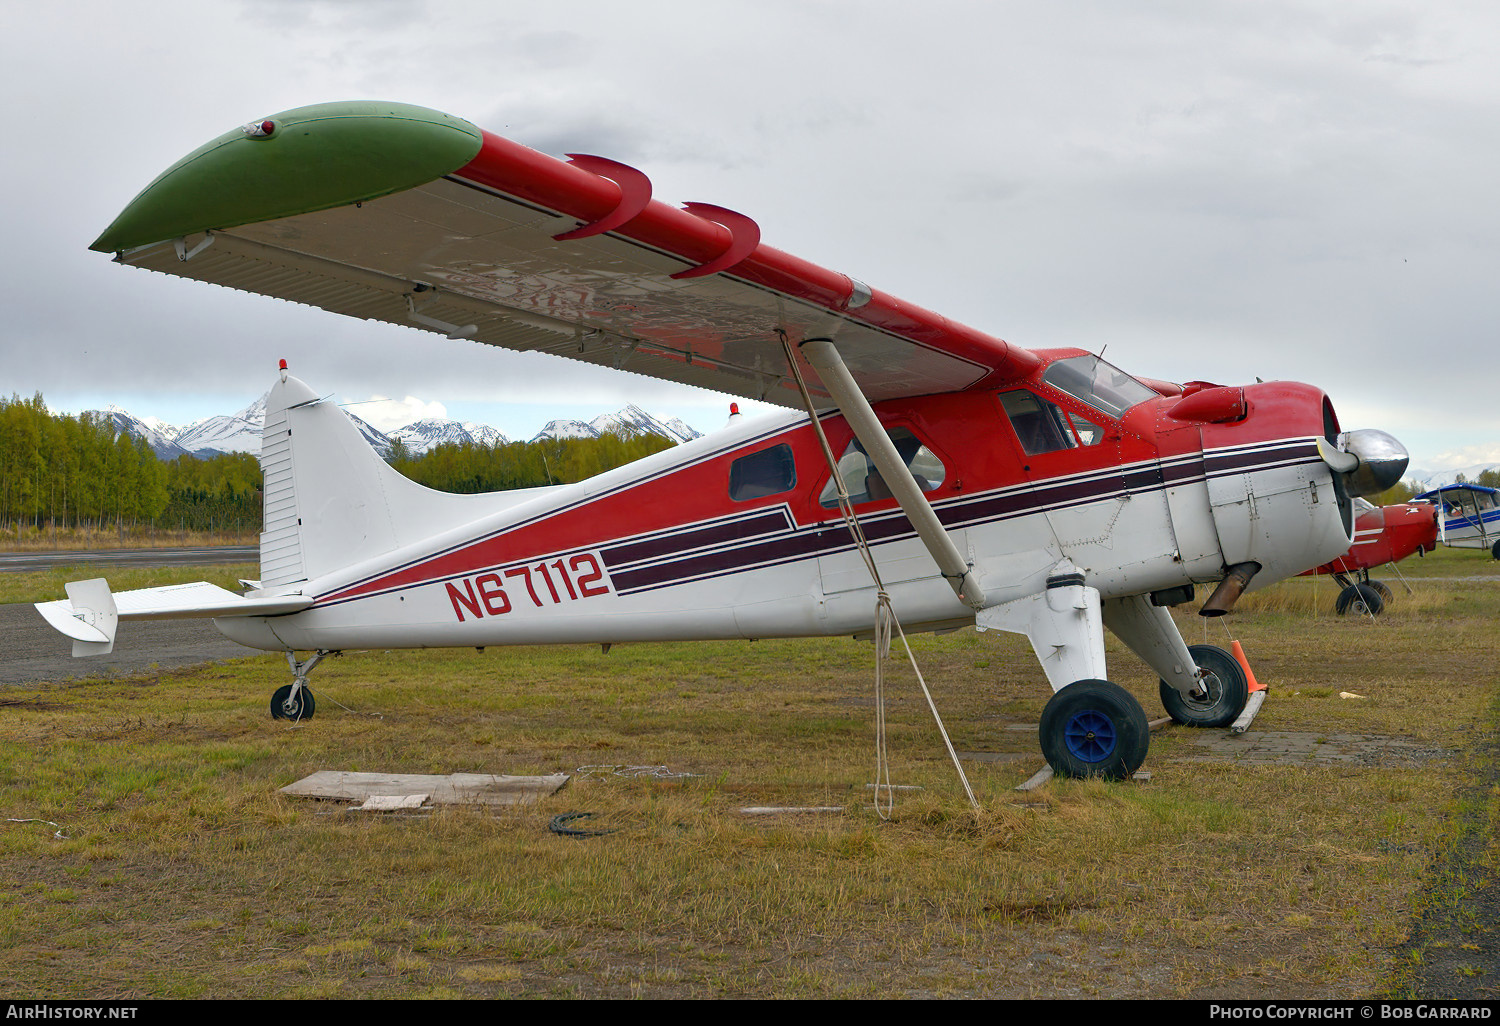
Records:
x=295, y=701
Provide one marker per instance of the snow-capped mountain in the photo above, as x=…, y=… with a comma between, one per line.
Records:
x=240, y=432
x=566, y=429
x=161, y=437
x=422, y=435
x=633, y=420
x=628, y=423
x=236, y=432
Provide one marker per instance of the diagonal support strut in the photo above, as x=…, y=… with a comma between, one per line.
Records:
x=825, y=359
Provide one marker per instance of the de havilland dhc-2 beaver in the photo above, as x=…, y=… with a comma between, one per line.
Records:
x=1038, y=491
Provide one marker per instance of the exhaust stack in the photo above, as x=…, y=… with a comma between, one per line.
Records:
x=1229, y=590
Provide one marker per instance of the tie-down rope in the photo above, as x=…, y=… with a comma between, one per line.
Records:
x=885, y=616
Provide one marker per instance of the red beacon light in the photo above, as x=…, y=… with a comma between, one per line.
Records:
x=259, y=129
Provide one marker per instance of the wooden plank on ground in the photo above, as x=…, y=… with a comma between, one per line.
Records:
x=452, y=789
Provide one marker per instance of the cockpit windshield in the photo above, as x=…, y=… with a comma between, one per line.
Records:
x=1103, y=386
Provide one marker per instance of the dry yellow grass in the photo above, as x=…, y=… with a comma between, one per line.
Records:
x=30, y=538
x=185, y=873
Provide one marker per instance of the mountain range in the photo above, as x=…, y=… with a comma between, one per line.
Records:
x=240, y=432
x=1425, y=479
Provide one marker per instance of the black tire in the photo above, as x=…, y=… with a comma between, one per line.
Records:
x=1383, y=589
x=1225, y=691
x=1093, y=728
x=302, y=709
x=1495, y=550
x=1360, y=599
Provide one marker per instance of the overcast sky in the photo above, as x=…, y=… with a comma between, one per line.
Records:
x=1213, y=190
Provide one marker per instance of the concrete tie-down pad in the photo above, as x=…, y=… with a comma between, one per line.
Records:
x=452, y=789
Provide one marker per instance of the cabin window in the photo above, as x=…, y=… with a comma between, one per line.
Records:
x=864, y=483
x=1045, y=427
x=762, y=473
x=1464, y=502
x=1103, y=386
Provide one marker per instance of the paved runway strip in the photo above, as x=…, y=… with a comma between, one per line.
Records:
x=19, y=562
x=31, y=651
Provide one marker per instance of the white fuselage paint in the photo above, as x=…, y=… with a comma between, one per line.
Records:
x=1282, y=514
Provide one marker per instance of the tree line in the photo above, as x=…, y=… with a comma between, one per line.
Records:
x=82, y=472
x=475, y=467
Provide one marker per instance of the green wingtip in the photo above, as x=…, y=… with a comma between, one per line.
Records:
x=315, y=158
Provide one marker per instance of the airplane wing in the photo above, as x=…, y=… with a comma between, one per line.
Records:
x=401, y=214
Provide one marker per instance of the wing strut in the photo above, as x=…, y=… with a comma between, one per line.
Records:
x=885, y=615
x=856, y=409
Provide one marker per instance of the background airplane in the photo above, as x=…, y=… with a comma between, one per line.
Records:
x=922, y=466
x=1382, y=535
x=1469, y=516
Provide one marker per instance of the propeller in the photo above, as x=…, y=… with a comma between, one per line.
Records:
x=1369, y=460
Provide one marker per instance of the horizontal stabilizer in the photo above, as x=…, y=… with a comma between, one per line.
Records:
x=88, y=616
x=90, y=613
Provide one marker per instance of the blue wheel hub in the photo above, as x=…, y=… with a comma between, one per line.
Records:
x=1090, y=735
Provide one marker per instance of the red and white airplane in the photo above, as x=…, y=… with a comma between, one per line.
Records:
x=1382, y=534
x=1042, y=492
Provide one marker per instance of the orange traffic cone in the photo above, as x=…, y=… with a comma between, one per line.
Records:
x=1239, y=655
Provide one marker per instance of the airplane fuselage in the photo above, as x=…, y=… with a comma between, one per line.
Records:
x=735, y=535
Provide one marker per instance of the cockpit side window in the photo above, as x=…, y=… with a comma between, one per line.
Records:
x=1103, y=386
x=1045, y=427
x=863, y=481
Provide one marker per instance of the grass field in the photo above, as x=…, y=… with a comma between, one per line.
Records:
x=176, y=868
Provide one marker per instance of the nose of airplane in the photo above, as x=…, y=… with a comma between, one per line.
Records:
x=1369, y=460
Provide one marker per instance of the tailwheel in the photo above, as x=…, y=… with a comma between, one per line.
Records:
x=285, y=706
x=294, y=701
x=1359, y=599
x=1221, y=693
x=1094, y=728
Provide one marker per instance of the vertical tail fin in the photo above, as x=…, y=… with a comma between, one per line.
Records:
x=281, y=538
x=327, y=493
x=330, y=500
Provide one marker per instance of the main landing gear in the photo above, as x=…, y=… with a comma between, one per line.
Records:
x=1094, y=728
x=1221, y=693
x=1361, y=597
x=295, y=701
